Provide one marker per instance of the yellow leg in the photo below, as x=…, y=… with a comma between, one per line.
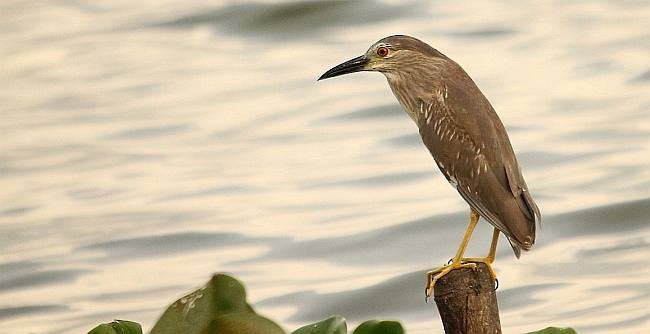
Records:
x=491, y=255
x=434, y=275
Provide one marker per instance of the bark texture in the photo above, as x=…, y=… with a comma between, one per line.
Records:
x=467, y=301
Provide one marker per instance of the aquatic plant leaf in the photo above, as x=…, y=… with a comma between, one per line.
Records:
x=218, y=307
x=332, y=325
x=555, y=330
x=118, y=327
x=379, y=327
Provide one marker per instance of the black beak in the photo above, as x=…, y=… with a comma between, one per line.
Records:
x=350, y=66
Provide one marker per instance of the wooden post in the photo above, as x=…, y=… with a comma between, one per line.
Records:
x=467, y=301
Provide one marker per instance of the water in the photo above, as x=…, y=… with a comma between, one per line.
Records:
x=148, y=145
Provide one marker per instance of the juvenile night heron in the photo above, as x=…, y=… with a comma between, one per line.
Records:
x=465, y=137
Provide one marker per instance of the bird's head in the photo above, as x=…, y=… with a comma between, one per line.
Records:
x=389, y=55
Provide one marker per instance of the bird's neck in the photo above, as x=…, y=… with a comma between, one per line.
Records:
x=414, y=86
x=400, y=87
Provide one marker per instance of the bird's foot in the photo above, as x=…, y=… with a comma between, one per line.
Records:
x=434, y=275
x=488, y=262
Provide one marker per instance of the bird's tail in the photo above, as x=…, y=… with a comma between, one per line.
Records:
x=526, y=245
x=516, y=249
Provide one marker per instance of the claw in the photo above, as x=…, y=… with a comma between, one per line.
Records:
x=434, y=275
x=488, y=262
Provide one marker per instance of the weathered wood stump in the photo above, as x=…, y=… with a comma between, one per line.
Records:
x=467, y=301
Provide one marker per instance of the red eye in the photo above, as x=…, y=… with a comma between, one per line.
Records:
x=382, y=51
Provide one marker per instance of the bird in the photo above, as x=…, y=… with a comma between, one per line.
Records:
x=465, y=137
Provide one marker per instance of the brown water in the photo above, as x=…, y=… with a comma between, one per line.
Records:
x=145, y=146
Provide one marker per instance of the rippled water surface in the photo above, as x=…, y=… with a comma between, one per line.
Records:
x=146, y=145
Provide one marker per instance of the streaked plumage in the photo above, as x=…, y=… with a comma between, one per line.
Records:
x=466, y=139
x=464, y=135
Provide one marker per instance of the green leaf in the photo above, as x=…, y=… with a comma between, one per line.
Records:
x=242, y=323
x=555, y=330
x=218, y=307
x=332, y=325
x=379, y=327
x=118, y=327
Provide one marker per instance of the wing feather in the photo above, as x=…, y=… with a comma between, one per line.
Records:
x=472, y=149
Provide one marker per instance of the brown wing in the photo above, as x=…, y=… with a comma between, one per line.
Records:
x=471, y=147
